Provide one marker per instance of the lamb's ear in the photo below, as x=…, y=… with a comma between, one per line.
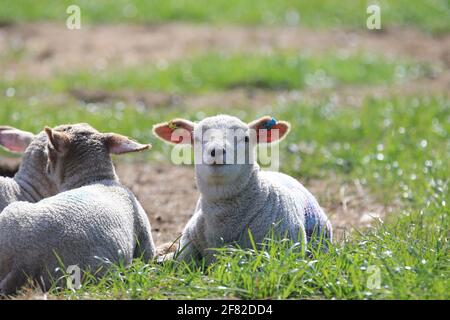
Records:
x=268, y=129
x=58, y=140
x=15, y=140
x=175, y=131
x=118, y=144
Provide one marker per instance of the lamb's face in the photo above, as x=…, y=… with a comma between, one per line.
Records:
x=224, y=148
x=223, y=151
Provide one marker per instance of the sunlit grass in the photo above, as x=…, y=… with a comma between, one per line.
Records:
x=398, y=148
x=433, y=15
x=382, y=142
x=218, y=72
x=273, y=71
x=410, y=255
x=397, y=143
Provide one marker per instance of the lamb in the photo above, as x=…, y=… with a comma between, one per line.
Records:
x=30, y=183
x=237, y=196
x=92, y=222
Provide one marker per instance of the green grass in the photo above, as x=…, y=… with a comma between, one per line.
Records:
x=411, y=256
x=382, y=141
x=215, y=72
x=275, y=71
x=433, y=15
x=399, y=149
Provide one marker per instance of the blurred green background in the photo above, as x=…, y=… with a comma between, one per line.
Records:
x=432, y=15
x=366, y=106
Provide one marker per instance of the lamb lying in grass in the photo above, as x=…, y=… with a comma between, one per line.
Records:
x=92, y=221
x=237, y=197
x=31, y=182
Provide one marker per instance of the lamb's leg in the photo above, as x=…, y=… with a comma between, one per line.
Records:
x=145, y=248
x=12, y=282
x=187, y=252
x=329, y=231
x=317, y=225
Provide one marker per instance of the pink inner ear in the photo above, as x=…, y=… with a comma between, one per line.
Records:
x=15, y=140
x=164, y=132
x=176, y=135
x=268, y=136
x=118, y=144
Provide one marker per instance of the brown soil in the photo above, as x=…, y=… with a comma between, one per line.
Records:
x=49, y=47
x=43, y=49
x=8, y=166
x=167, y=193
x=344, y=96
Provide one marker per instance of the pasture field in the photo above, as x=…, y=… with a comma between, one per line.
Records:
x=429, y=15
x=370, y=115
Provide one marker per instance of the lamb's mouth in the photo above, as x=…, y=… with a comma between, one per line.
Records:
x=217, y=169
x=214, y=164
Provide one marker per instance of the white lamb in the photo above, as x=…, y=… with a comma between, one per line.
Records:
x=92, y=221
x=237, y=196
x=30, y=183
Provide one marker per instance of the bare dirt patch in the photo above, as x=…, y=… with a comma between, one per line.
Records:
x=234, y=98
x=42, y=49
x=168, y=194
x=8, y=166
x=51, y=47
x=349, y=205
x=350, y=95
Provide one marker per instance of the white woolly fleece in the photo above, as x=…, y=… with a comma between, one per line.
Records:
x=87, y=227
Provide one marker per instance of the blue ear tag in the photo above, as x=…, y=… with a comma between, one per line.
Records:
x=270, y=123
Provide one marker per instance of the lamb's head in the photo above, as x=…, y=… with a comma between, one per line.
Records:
x=78, y=154
x=34, y=160
x=224, y=148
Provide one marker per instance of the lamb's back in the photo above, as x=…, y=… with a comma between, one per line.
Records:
x=78, y=225
x=315, y=219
